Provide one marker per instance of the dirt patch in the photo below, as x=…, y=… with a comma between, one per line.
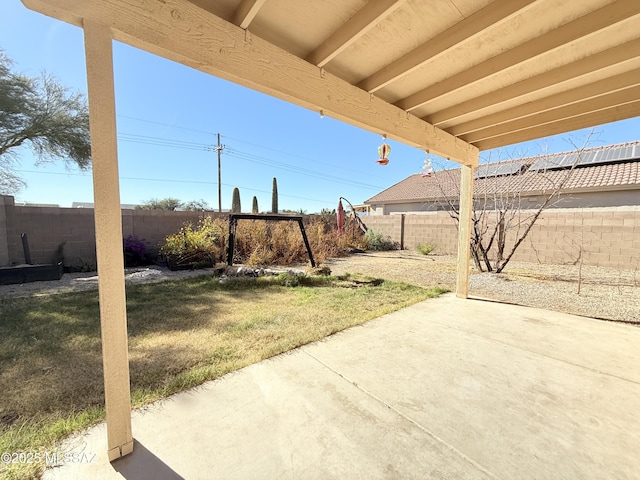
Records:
x=605, y=293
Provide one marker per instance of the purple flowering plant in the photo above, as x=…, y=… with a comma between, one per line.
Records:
x=135, y=248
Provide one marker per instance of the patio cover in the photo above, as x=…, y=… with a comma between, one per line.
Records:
x=450, y=76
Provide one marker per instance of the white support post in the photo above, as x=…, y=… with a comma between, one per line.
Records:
x=464, y=230
x=108, y=222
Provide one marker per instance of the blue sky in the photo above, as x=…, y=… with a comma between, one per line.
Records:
x=169, y=115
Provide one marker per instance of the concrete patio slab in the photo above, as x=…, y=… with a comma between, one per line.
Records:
x=446, y=388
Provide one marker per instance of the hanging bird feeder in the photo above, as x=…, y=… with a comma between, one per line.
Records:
x=427, y=168
x=383, y=152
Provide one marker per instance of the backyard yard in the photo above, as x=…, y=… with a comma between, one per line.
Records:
x=181, y=334
x=193, y=327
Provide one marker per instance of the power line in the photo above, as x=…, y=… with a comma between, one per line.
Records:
x=298, y=156
x=166, y=180
x=359, y=172
x=295, y=169
x=164, y=124
x=250, y=157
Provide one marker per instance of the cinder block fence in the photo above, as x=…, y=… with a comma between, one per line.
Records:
x=603, y=236
x=48, y=227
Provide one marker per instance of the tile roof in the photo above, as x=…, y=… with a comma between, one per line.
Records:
x=605, y=176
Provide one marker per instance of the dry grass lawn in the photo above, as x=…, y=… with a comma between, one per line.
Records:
x=180, y=334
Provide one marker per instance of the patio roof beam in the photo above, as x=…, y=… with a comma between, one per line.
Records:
x=613, y=114
x=246, y=12
x=181, y=31
x=620, y=97
x=580, y=94
x=470, y=27
x=570, y=71
x=597, y=20
x=367, y=17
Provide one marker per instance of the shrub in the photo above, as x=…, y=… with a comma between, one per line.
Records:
x=201, y=245
x=378, y=242
x=280, y=243
x=135, y=250
x=426, y=248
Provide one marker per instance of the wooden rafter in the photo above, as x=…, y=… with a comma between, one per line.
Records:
x=580, y=94
x=572, y=70
x=594, y=21
x=246, y=12
x=611, y=114
x=620, y=97
x=470, y=27
x=367, y=17
x=180, y=31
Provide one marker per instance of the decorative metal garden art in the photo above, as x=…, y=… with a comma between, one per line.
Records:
x=427, y=168
x=383, y=152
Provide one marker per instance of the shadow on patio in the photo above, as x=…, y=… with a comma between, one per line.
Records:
x=447, y=388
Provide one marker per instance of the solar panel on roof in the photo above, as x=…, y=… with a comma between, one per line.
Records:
x=609, y=155
x=498, y=169
x=617, y=154
x=549, y=162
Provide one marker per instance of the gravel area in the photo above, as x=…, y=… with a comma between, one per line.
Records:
x=75, y=282
x=605, y=293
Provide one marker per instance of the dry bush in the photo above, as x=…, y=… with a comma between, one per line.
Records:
x=261, y=243
x=280, y=243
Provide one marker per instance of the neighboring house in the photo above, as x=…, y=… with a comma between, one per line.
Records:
x=597, y=177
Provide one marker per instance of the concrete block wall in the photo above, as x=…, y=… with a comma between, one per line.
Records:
x=4, y=233
x=48, y=227
x=388, y=225
x=607, y=237
x=603, y=236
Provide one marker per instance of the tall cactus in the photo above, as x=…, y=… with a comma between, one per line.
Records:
x=235, y=201
x=274, y=196
x=254, y=207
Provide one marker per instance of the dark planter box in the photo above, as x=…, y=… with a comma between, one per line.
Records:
x=174, y=265
x=30, y=273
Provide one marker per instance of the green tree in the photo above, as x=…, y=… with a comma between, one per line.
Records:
x=46, y=116
x=196, y=205
x=164, y=204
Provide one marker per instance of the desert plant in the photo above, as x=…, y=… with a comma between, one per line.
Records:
x=254, y=205
x=235, y=201
x=168, y=203
x=44, y=115
x=135, y=250
x=426, y=248
x=377, y=241
x=201, y=245
x=274, y=196
x=280, y=243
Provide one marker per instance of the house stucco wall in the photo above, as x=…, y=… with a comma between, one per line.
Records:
x=585, y=199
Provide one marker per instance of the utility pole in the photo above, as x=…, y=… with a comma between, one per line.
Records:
x=219, y=149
